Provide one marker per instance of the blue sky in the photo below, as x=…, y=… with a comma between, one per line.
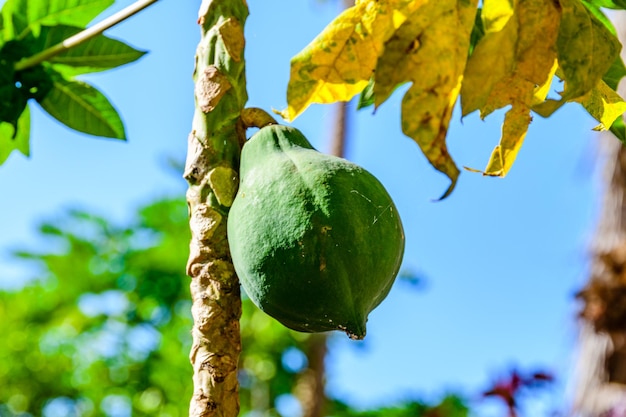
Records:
x=501, y=257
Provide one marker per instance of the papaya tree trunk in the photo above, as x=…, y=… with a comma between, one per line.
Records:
x=214, y=146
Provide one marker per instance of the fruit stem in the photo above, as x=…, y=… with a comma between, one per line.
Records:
x=256, y=117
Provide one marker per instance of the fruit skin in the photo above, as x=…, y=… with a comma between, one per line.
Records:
x=316, y=240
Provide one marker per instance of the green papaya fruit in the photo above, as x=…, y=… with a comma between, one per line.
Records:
x=316, y=240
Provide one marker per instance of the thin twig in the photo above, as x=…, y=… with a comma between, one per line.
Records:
x=83, y=36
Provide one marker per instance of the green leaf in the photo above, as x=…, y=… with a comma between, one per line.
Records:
x=618, y=128
x=586, y=51
x=582, y=36
x=595, y=10
x=17, y=87
x=609, y=4
x=616, y=72
x=21, y=16
x=12, y=102
x=97, y=54
x=82, y=107
x=366, y=98
x=478, y=31
x=604, y=105
x=15, y=138
x=2, y=37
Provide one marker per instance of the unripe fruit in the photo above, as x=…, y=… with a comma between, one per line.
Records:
x=316, y=240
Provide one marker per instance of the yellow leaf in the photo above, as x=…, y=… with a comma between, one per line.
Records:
x=586, y=49
x=492, y=60
x=339, y=62
x=429, y=50
x=506, y=66
x=496, y=14
x=425, y=119
x=515, y=67
x=541, y=91
x=514, y=131
x=604, y=104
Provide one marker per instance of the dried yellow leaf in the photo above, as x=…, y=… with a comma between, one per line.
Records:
x=496, y=14
x=492, y=60
x=513, y=66
x=541, y=91
x=586, y=49
x=339, y=62
x=604, y=104
x=522, y=54
x=514, y=131
x=429, y=50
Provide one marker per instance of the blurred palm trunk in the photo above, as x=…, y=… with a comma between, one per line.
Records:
x=310, y=388
x=600, y=382
x=600, y=388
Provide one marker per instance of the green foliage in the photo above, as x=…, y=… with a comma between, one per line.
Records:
x=32, y=27
x=21, y=17
x=82, y=107
x=17, y=87
x=106, y=319
x=15, y=138
x=96, y=54
x=609, y=4
x=449, y=406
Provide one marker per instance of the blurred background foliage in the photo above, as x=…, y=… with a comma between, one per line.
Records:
x=102, y=329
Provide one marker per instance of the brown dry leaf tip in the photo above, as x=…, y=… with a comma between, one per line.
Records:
x=210, y=88
x=203, y=11
x=353, y=336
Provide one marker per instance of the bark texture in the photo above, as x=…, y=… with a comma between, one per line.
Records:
x=600, y=381
x=601, y=369
x=311, y=385
x=211, y=171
